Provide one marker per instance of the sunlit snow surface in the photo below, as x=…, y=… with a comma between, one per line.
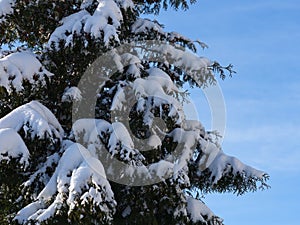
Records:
x=92, y=24
x=12, y=145
x=35, y=118
x=20, y=66
x=77, y=161
x=6, y=8
x=71, y=94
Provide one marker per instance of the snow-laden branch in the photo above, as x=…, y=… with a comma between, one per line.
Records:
x=12, y=146
x=34, y=119
x=21, y=66
x=73, y=185
x=199, y=212
x=216, y=171
x=145, y=26
x=151, y=92
x=71, y=94
x=97, y=133
x=103, y=23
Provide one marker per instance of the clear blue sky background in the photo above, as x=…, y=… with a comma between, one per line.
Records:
x=262, y=40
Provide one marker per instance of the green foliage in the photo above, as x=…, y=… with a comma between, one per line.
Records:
x=13, y=194
x=154, y=204
x=154, y=6
x=237, y=183
x=27, y=24
x=12, y=176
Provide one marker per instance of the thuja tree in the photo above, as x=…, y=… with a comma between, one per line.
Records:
x=93, y=128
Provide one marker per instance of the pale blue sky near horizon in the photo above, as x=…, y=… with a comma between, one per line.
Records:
x=262, y=40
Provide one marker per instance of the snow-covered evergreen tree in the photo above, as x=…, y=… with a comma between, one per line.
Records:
x=67, y=159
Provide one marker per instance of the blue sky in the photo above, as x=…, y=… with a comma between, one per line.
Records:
x=262, y=40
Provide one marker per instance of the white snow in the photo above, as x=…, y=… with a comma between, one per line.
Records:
x=188, y=139
x=72, y=177
x=133, y=63
x=120, y=133
x=193, y=125
x=86, y=3
x=173, y=36
x=90, y=129
x=222, y=163
x=197, y=210
x=128, y=59
x=163, y=79
x=125, y=4
x=154, y=141
x=119, y=141
x=119, y=99
x=134, y=70
x=146, y=26
x=159, y=87
x=163, y=169
x=92, y=24
x=210, y=151
x=41, y=174
x=71, y=94
x=70, y=24
x=20, y=66
x=193, y=65
x=12, y=145
x=33, y=117
x=6, y=8
x=27, y=211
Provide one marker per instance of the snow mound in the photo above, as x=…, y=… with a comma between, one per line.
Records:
x=35, y=119
x=75, y=178
x=20, y=66
x=12, y=145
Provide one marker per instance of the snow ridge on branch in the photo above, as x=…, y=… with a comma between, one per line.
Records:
x=75, y=178
x=35, y=120
x=20, y=66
